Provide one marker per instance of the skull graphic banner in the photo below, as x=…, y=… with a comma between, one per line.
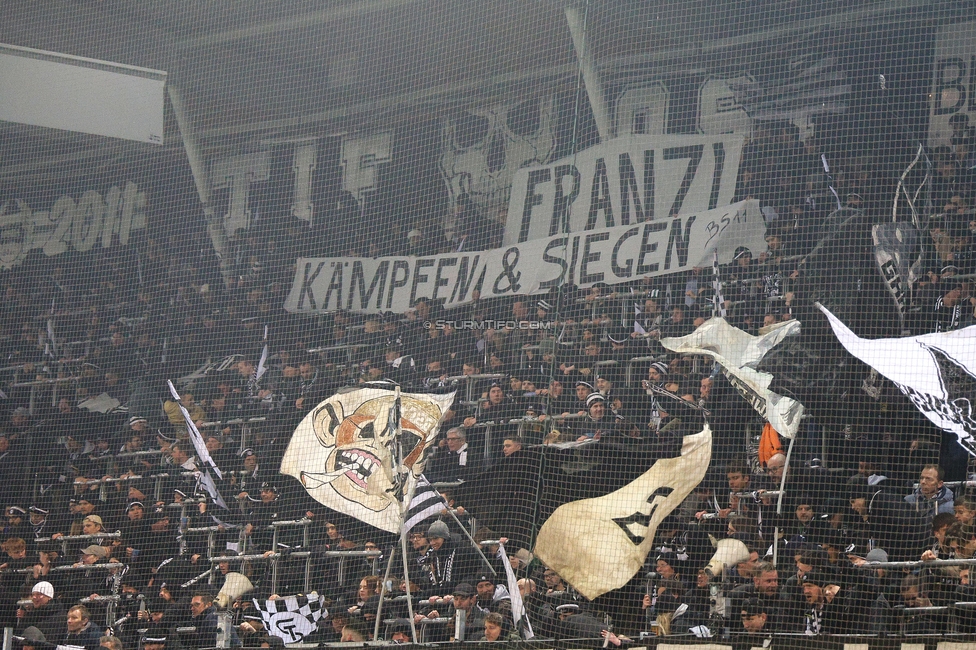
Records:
x=347, y=453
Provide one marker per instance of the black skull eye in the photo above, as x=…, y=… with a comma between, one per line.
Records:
x=408, y=441
x=367, y=431
x=470, y=129
x=495, y=156
x=524, y=119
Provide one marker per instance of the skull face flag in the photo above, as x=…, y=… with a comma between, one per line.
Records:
x=937, y=372
x=346, y=451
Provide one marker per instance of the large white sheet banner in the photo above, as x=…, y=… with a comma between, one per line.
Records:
x=611, y=255
x=739, y=353
x=937, y=372
x=621, y=182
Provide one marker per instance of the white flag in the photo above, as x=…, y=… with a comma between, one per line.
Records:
x=936, y=371
x=599, y=544
x=263, y=361
x=204, y=479
x=739, y=353
x=518, y=606
x=346, y=456
x=53, y=337
x=199, y=445
x=638, y=328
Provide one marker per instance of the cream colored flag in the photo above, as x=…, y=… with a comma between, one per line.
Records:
x=346, y=455
x=599, y=544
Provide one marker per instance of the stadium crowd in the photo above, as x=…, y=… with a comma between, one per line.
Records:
x=108, y=530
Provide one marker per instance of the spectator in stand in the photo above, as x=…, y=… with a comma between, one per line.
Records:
x=497, y=408
x=599, y=423
x=11, y=580
x=511, y=445
x=931, y=497
x=497, y=628
x=965, y=512
x=826, y=610
x=81, y=631
x=755, y=617
x=418, y=245
x=203, y=617
x=45, y=613
x=445, y=562
x=454, y=460
x=765, y=590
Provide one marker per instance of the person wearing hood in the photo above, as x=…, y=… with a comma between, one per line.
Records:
x=931, y=497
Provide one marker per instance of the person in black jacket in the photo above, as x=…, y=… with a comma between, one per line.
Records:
x=137, y=540
x=81, y=630
x=574, y=623
x=764, y=589
x=455, y=460
x=11, y=582
x=204, y=619
x=826, y=609
x=45, y=613
x=445, y=563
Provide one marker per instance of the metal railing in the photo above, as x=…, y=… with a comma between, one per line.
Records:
x=471, y=380
x=67, y=539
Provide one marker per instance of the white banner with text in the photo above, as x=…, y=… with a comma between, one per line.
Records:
x=610, y=255
x=622, y=182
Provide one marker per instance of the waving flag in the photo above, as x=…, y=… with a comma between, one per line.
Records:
x=207, y=463
x=599, y=544
x=937, y=372
x=519, y=615
x=293, y=618
x=346, y=451
x=738, y=353
x=425, y=504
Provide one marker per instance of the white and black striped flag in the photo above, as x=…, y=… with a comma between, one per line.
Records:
x=426, y=503
x=793, y=87
x=292, y=618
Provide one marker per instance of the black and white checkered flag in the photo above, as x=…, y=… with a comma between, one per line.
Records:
x=293, y=618
x=718, y=299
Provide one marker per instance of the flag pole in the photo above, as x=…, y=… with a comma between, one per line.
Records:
x=406, y=497
x=476, y=545
x=718, y=300
x=386, y=581
x=403, y=549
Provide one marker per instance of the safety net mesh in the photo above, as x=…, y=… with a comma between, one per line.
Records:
x=586, y=319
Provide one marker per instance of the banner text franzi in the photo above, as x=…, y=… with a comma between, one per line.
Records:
x=611, y=255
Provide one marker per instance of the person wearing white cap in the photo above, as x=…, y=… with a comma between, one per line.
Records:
x=45, y=613
x=416, y=243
